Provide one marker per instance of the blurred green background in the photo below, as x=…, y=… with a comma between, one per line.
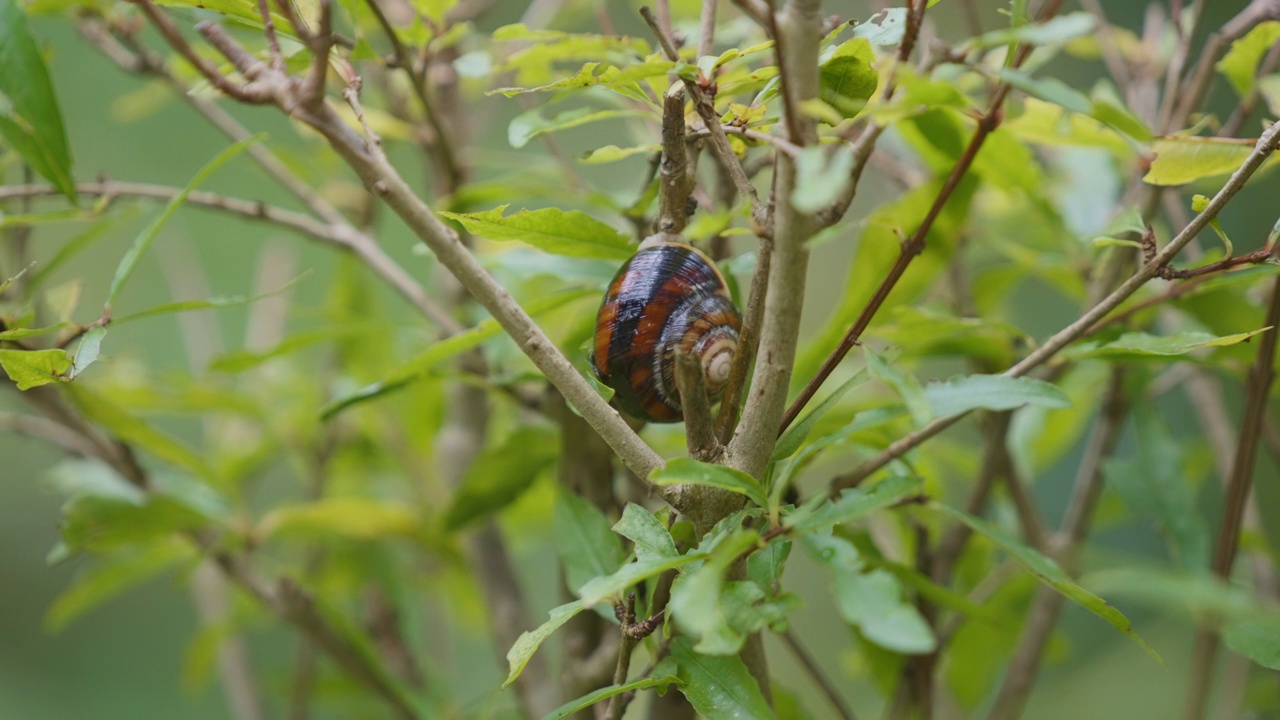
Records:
x=125, y=659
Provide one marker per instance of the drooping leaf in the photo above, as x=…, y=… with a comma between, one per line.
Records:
x=29, y=118
x=136, y=431
x=586, y=543
x=500, y=475
x=129, y=262
x=33, y=368
x=1180, y=160
x=528, y=642
x=1049, y=573
x=798, y=432
x=607, y=692
x=871, y=601
x=1257, y=639
x=719, y=687
x=687, y=470
x=991, y=392
x=556, y=231
x=357, y=518
x=114, y=575
x=652, y=540
x=613, y=153
x=529, y=125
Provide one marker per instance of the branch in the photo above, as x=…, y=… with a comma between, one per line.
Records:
x=1257, y=391
x=811, y=666
x=1265, y=146
x=50, y=431
x=799, y=30
x=673, y=170
x=1198, y=84
x=1047, y=603
x=691, y=383
x=704, y=103
x=915, y=245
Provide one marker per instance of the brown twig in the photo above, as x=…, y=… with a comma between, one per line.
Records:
x=699, y=428
x=1257, y=390
x=815, y=671
x=673, y=171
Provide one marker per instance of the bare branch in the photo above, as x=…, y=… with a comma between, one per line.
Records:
x=702, y=440
x=1257, y=392
x=674, y=177
x=814, y=670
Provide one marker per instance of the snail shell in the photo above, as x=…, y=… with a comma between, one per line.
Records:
x=666, y=296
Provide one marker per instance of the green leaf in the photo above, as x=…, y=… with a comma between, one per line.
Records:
x=242, y=12
x=605, y=693
x=613, y=153
x=418, y=366
x=1180, y=160
x=852, y=504
x=794, y=437
x=694, y=472
x=652, y=539
x=29, y=118
x=991, y=392
x=1055, y=30
x=529, y=125
x=695, y=597
x=847, y=80
x=357, y=518
x=213, y=303
x=500, y=475
x=611, y=587
x=1048, y=572
x=562, y=232
x=111, y=577
x=129, y=262
x=588, y=548
x=135, y=431
x=610, y=77
x=905, y=384
x=1139, y=345
x=528, y=642
x=883, y=28
x=1257, y=639
x=33, y=368
x=88, y=349
x=98, y=523
x=718, y=687
x=1049, y=89
x=1240, y=64
x=871, y=601
x=821, y=178
x=765, y=566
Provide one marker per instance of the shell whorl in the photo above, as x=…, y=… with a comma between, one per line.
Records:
x=667, y=296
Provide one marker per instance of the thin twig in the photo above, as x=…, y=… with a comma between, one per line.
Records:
x=815, y=671
x=1265, y=146
x=1257, y=390
x=673, y=170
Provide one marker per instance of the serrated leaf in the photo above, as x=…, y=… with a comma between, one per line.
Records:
x=500, y=475
x=527, y=644
x=354, y=517
x=992, y=392
x=586, y=543
x=1138, y=345
x=129, y=262
x=695, y=597
x=563, y=232
x=1180, y=160
x=33, y=368
x=1240, y=64
x=1048, y=572
x=687, y=470
x=605, y=693
x=718, y=687
x=29, y=117
x=652, y=539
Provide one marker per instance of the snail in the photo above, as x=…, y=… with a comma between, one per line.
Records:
x=667, y=295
